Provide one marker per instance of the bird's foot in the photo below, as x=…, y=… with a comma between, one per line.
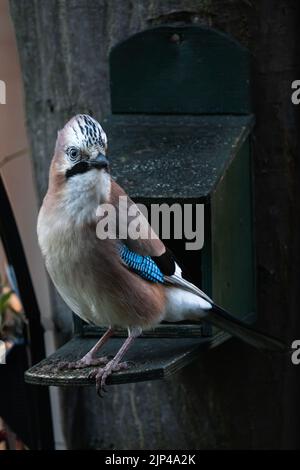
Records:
x=100, y=375
x=82, y=363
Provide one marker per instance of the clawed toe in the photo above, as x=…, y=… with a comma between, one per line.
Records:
x=93, y=373
x=82, y=363
x=101, y=375
x=100, y=388
x=62, y=365
x=91, y=362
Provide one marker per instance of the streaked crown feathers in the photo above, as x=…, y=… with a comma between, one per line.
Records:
x=82, y=131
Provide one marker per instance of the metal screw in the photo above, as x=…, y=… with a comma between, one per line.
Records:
x=175, y=38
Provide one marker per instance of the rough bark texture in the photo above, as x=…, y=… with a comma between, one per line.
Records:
x=232, y=397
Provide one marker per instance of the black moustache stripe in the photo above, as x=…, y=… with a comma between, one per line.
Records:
x=79, y=168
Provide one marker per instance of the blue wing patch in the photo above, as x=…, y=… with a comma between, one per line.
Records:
x=142, y=265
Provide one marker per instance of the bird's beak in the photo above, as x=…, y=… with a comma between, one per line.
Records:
x=99, y=162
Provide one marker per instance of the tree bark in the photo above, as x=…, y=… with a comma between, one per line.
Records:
x=232, y=397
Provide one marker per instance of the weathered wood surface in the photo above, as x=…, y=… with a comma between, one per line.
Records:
x=173, y=157
x=148, y=359
x=232, y=397
x=156, y=354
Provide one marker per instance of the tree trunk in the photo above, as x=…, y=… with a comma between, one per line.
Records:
x=232, y=397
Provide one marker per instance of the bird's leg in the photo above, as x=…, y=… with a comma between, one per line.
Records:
x=90, y=358
x=114, y=365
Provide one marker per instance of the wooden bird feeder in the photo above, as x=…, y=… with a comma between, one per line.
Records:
x=179, y=132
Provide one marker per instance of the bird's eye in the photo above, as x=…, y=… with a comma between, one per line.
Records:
x=73, y=153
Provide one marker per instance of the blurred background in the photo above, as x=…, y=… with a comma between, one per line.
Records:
x=54, y=62
x=17, y=174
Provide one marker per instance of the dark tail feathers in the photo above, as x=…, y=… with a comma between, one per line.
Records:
x=227, y=322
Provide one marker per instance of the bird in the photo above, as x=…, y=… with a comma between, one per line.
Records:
x=129, y=282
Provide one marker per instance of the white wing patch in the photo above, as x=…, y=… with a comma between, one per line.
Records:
x=184, y=305
x=185, y=301
x=178, y=271
x=178, y=281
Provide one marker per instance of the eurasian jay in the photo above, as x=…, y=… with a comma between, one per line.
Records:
x=113, y=282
